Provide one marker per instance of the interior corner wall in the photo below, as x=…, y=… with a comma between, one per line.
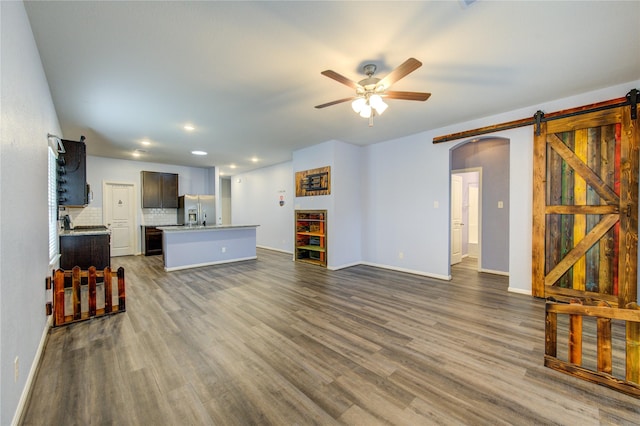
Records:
x=255, y=200
x=345, y=223
x=27, y=116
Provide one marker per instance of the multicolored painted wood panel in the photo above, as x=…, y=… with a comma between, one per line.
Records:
x=595, y=147
x=585, y=212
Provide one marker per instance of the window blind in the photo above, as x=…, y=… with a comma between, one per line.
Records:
x=53, y=207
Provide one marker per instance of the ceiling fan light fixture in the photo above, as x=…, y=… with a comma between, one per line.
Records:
x=358, y=104
x=381, y=108
x=368, y=101
x=378, y=104
x=366, y=111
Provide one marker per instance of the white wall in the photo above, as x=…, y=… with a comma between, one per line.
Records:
x=406, y=206
x=345, y=223
x=27, y=116
x=255, y=198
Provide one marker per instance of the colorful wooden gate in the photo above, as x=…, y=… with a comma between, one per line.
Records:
x=585, y=208
x=585, y=239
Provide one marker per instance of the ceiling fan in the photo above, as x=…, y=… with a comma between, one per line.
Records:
x=368, y=100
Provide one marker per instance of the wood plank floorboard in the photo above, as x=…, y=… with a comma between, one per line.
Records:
x=275, y=342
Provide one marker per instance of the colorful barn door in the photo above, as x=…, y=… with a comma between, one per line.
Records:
x=585, y=208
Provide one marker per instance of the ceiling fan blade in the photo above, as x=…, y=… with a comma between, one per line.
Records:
x=340, y=78
x=408, y=66
x=339, y=101
x=408, y=96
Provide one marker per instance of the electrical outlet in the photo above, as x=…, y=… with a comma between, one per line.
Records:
x=500, y=204
x=224, y=249
x=401, y=255
x=16, y=369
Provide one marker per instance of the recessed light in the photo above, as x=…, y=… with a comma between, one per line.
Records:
x=221, y=173
x=233, y=166
x=145, y=142
x=199, y=152
x=189, y=127
x=254, y=159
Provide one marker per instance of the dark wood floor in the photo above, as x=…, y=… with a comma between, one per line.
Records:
x=273, y=342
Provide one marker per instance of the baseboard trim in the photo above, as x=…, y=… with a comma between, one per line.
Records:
x=35, y=366
x=519, y=291
x=275, y=249
x=490, y=271
x=408, y=271
x=347, y=265
x=199, y=265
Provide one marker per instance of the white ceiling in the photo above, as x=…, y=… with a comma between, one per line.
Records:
x=247, y=74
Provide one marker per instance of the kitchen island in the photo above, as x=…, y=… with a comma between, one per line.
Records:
x=195, y=246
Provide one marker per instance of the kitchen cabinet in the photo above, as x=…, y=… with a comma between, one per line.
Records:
x=72, y=175
x=159, y=190
x=152, y=238
x=84, y=249
x=311, y=236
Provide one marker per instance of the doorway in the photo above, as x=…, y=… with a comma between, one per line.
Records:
x=466, y=190
x=225, y=201
x=488, y=238
x=118, y=204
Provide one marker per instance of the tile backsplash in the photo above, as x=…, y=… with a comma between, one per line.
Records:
x=155, y=217
x=91, y=216
x=83, y=216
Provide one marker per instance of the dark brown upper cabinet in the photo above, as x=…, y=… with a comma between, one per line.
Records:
x=159, y=190
x=72, y=175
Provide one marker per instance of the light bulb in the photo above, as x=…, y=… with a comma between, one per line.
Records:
x=375, y=100
x=381, y=107
x=358, y=104
x=366, y=111
x=377, y=103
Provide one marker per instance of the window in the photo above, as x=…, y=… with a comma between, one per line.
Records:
x=53, y=207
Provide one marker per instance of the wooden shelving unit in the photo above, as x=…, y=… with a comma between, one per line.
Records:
x=311, y=236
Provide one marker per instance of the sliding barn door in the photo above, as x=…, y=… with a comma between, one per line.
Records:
x=585, y=207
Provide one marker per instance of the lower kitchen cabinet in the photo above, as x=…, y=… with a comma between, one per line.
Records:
x=152, y=239
x=85, y=250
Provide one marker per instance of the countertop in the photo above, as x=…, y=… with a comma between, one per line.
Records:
x=187, y=228
x=85, y=230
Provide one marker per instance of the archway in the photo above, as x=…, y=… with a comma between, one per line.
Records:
x=488, y=156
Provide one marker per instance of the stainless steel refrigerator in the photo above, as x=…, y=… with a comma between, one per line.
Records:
x=196, y=210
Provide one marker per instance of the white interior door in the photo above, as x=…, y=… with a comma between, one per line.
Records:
x=456, y=219
x=119, y=214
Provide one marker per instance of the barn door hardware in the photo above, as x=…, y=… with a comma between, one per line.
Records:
x=633, y=97
x=538, y=116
